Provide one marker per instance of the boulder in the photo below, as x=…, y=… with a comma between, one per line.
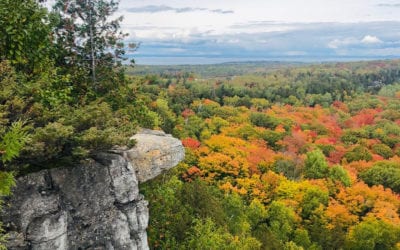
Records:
x=154, y=153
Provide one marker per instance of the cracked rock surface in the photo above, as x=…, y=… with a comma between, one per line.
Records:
x=93, y=206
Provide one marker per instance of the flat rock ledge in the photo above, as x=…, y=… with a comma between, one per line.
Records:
x=93, y=206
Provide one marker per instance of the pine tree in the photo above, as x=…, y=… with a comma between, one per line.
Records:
x=87, y=37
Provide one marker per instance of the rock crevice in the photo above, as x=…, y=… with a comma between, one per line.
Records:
x=93, y=206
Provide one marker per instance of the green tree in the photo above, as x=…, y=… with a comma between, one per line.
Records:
x=315, y=165
x=87, y=37
x=358, y=153
x=312, y=200
x=205, y=234
x=166, y=115
x=338, y=173
x=383, y=150
x=281, y=220
x=264, y=120
x=373, y=234
x=383, y=173
x=25, y=38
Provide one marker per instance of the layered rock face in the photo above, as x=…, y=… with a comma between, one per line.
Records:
x=93, y=206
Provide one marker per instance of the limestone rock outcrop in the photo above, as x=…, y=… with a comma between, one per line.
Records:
x=93, y=206
x=154, y=153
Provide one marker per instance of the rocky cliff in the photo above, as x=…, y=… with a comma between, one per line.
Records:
x=93, y=206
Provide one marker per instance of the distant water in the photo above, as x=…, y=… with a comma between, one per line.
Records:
x=216, y=60
x=187, y=60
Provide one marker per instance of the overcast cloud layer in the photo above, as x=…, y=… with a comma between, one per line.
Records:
x=262, y=30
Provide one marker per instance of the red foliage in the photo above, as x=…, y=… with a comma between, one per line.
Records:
x=191, y=143
x=365, y=117
x=187, y=112
x=326, y=141
x=296, y=141
x=335, y=157
x=376, y=157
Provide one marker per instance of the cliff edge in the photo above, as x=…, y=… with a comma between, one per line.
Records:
x=93, y=206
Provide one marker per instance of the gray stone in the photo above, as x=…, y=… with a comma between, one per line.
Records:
x=50, y=228
x=154, y=153
x=96, y=205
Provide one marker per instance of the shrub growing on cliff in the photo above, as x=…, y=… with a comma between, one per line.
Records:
x=12, y=140
x=76, y=133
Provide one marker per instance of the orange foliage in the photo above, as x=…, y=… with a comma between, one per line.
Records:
x=360, y=198
x=192, y=173
x=258, y=155
x=209, y=102
x=360, y=166
x=341, y=106
x=245, y=166
x=386, y=211
x=339, y=215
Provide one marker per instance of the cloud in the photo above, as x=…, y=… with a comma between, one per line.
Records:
x=303, y=41
x=163, y=8
x=354, y=42
x=390, y=5
x=371, y=40
x=337, y=43
x=221, y=11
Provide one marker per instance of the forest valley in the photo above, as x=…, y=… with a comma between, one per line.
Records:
x=304, y=157
x=278, y=156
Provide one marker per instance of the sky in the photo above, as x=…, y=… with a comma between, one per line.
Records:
x=208, y=31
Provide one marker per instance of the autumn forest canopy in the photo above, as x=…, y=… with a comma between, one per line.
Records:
x=278, y=155
x=303, y=157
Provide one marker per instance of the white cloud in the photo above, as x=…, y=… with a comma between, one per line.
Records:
x=351, y=41
x=368, y=39
x=337, y=43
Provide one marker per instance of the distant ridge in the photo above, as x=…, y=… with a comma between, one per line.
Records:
x=234, y=68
